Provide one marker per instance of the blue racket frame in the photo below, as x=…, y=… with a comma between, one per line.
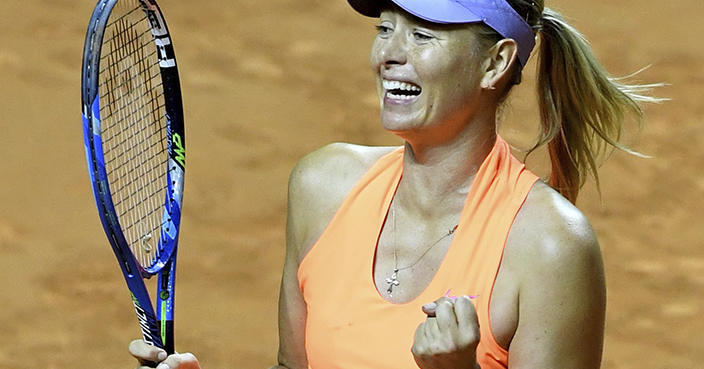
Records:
x=156, y=326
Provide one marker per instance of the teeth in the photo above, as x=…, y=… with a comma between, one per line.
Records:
x=398, y=85
x=400, y=97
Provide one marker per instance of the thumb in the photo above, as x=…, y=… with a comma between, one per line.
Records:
x=429, y=309
x=146, y=353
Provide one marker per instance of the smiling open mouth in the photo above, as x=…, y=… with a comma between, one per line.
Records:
x=401, y=90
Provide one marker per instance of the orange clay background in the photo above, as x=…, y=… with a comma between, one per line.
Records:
x=266, y=82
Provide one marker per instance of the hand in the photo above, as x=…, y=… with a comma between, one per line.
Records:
x=147, y=354
x=449, y=336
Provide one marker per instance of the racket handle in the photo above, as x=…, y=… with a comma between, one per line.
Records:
x=169, y=336
x=165, y=303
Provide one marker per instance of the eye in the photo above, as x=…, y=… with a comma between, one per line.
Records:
x=384, y=30
x=422, y=36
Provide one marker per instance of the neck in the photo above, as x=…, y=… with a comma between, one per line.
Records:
x=436, y=178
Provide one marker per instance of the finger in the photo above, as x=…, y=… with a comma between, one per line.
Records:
x=467, y=318
x=180, y=361
x=146, y=353
x=419, y=339
x=445, y=314
x=423, y=338
x=466, y=312
x=432, y=331
x=430, y=309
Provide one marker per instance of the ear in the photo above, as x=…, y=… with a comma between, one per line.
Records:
x=497, y=66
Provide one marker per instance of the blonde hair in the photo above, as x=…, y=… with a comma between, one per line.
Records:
x=582, y=107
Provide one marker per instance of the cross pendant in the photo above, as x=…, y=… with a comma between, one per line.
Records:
x=392, y=281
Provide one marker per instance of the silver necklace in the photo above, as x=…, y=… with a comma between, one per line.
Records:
x=393, y=280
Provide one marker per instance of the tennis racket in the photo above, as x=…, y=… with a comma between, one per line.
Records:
x=134, y=142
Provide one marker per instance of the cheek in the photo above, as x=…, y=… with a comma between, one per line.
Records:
x=454, y=82
x=466, y=78
x=374, y=58
x=450, y=65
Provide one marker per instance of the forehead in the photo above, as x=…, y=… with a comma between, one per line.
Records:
x=391, y=11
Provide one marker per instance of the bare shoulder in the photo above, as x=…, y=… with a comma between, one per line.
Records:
x=551, y=229
x=318, y=185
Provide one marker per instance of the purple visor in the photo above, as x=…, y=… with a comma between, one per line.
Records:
x=497, y=14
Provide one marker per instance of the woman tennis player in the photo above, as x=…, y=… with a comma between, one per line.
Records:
x=447, y=252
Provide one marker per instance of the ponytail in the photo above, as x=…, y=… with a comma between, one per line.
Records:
x=582, y=107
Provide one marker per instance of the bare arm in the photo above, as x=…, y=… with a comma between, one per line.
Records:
x=561, y=293
x=292, y=309
x=292, y=306
x=317, y=186
x=292, y=320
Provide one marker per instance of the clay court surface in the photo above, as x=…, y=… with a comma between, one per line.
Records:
x=266, y=82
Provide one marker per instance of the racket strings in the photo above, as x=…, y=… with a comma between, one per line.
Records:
x=134, y=133
x=125, y=80
x=132, y=191
x=119, y=136
x=132, y=11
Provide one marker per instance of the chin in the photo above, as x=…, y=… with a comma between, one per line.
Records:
x=404, y=129
x=394, y=124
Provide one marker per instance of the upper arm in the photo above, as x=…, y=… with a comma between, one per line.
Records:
x=292, y=318
x=561, y=293
x=317, y=186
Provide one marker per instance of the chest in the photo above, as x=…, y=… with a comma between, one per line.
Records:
x=404, y=266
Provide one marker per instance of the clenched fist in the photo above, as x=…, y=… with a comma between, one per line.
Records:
x=449, y=336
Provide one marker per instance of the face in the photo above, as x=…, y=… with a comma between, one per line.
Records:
x=428, y=75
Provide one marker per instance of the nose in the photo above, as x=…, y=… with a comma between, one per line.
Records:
x=392, y=50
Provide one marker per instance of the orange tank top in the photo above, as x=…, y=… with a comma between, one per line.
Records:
x=349, y=323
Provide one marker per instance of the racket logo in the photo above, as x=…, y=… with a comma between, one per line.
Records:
x=179, y=152
x=143, y=322
x=163, y=47
x=165, y=51
x=155, y=19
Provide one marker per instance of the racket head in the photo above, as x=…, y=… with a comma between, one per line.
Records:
x=135, y=148
x=133, y=125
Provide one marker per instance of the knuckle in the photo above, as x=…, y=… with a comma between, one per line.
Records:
x=423, y=349
x=437, y=348
x=469, y=336
x=424, y=352
x=448, y=345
